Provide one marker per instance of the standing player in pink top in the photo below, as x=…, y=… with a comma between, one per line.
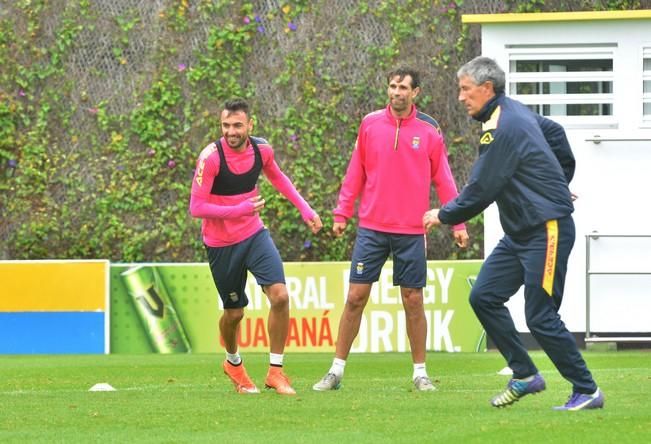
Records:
x=399, y=153
x=225, y=196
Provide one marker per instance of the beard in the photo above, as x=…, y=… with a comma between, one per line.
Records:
x=236, y=142
x=399, y=105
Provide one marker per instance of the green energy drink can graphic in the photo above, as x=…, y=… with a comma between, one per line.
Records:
x=155, y=309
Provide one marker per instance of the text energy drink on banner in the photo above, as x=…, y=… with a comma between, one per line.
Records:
x=155, y=309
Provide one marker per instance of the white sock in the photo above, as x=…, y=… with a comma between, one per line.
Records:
x=420, y=370
x=338, y=366
x=276, y=359
x=234, y=358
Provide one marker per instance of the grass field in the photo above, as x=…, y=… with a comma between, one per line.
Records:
x=186, y=398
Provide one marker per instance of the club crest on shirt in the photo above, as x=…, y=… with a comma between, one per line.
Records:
x=486, y=138
x=415, y=143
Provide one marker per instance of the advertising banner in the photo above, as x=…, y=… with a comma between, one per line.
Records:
x=175, y=308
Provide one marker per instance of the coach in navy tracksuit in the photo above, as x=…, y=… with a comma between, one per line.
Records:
x=525, y=164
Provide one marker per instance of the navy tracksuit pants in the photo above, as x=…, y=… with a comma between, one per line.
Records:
x=537, y=260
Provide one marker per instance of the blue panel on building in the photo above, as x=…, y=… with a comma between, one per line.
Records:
x=52, y=332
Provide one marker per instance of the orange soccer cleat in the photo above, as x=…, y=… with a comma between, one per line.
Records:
x=278, y=381
x=239, y=377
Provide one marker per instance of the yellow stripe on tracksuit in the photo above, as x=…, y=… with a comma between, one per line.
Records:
x=550, y=257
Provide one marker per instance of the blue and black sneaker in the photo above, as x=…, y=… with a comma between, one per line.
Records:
x=517, y=388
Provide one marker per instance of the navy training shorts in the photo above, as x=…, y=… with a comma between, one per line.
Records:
x=229, y=265
x=372, y=249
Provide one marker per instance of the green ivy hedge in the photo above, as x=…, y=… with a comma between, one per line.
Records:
x=80, y=179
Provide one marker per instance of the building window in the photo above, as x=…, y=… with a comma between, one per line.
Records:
x=646, y=85
x=568, y=84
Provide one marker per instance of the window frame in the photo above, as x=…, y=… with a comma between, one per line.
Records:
x=566, y=52
x=645, y=97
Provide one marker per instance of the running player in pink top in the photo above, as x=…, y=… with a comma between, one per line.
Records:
x=225, y=195
x=399, y=153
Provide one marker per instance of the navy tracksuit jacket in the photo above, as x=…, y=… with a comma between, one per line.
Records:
x=525, y=164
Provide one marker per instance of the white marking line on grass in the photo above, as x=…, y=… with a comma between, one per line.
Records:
x=164, y=386
x=157, y=387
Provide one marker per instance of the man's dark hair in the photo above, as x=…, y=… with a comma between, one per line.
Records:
x=237, y=104
x=405, y=71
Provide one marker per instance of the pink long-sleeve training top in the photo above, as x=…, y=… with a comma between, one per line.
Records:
x=227, y=220
x=391, y=170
